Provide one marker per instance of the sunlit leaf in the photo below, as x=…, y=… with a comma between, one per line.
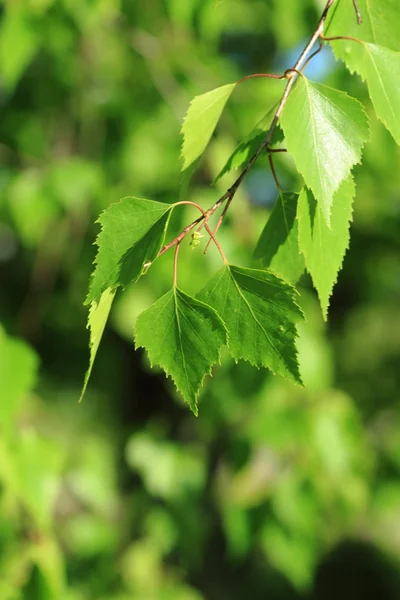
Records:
x=200, y=121
x=325, y=130
x=380, y=68
x=380, y=25
x=132, y=233
x=323, y=247
x=98, y=315
x=260, y=313
x=183, y=336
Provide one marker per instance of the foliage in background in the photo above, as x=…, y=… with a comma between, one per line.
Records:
x=127, y=496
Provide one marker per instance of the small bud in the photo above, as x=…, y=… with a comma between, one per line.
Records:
x=196, y=237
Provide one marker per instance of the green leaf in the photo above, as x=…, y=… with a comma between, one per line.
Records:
x=260, y=313
x=98, y=315
x=18, y=367
x=19, y=41
x=278, y=246
x=325, y=130
x=251, y=143
x=380, y=26
x=381, y=70
x=184, y=337
x=323, y=247
x=132, y=233
x=200, y=121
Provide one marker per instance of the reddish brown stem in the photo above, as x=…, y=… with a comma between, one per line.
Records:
x=219, y=223
x=274, y=173
x=230, y=193
x=341, y=37
x=177, y=247
x=313, y=55
x=205, y=224
x=257, y=75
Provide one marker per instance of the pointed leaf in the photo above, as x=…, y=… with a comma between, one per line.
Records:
x=251, y=143
x=98, y=315
x=200, y=121
x=132, y=233
x=380, y=26
x=381, y=70
x=184, y=337
x=260, y=313
x=325, y=130
x=324, y=248
x=278, y=246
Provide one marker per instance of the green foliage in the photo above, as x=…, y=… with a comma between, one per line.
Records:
x=325, y=130
x=184, y=336
x=98, y=315
x=200, y=122
x=251, y=143
x=376, y=59
x=18, y=365
x=381, y=70
x=260, y=313
x=324, y=247
x=127, y=496
x=379, y=26
x=132, y=234
x=278, y=246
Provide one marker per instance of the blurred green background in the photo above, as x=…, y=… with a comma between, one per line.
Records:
x=273, y=492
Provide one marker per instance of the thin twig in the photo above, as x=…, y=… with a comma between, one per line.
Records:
x=358, y=14
x=257, y=75
x=274, y=173
x=230, y=193
x=341, y=37
x=177, y=247
x=313, y=55
x=205, y=224
x=219, y=222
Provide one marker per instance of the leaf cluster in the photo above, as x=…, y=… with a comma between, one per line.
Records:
x=254, y=312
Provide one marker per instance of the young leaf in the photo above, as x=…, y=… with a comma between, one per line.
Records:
x=98, y=315
x=200, y=121
x=183, y=336
x=380, y=26
x=260, y=313
x=278, y=246
x=324, y=248
x=251, y=143
x=325, y=130
x=132, y=233
x=381, y=70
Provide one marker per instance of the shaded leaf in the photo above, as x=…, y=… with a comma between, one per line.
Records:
x=18, y=367
x=325, y=130
x=278, y=246
x=184, y=337
x=132, y=233
x=251, y=143
x=200, y=121
x=323, y=247
x=98, y=315
x=260, y=313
